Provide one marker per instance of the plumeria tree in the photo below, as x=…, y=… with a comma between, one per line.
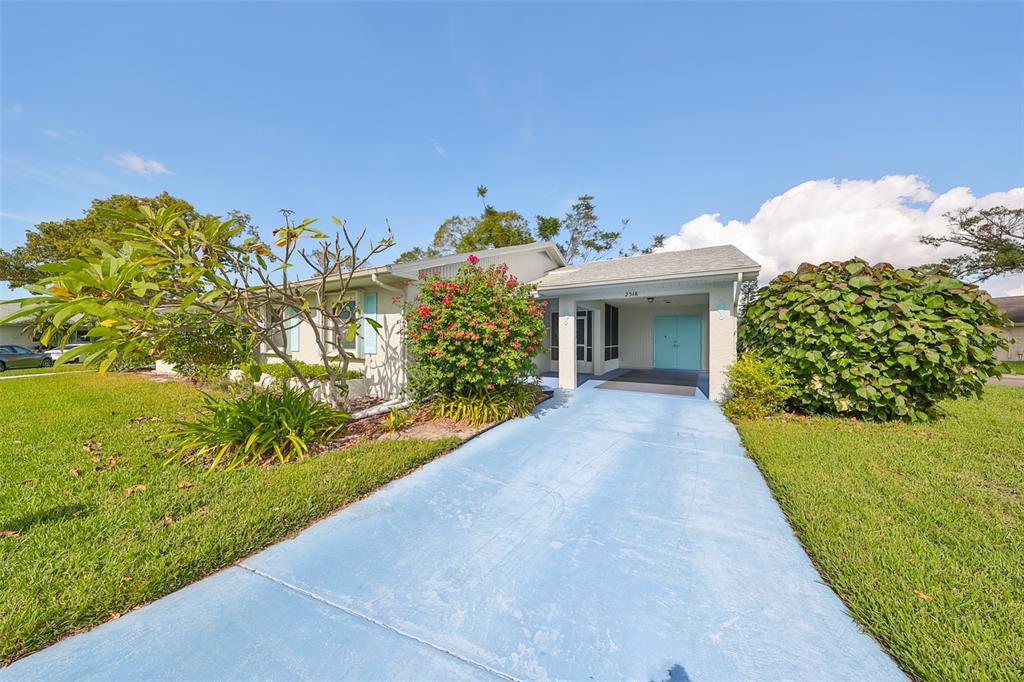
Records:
x=473, y=334
x=134, y=298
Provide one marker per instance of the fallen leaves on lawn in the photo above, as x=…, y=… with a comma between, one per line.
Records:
x=921, y=595
x=74, y=472
x=9, y=533
x=138, y=488
x=168, y=519
x=182, y=484
x=93, y=447
x=136, y=420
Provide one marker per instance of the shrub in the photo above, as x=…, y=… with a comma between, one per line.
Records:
x=508, y=402
x=263, y=427
x=201, y=349
x=279, y=370
x=875, y=341
x=758, y=387
x=397, y=420
x=472, y=334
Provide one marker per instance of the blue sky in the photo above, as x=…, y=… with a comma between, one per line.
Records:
x=396, y=112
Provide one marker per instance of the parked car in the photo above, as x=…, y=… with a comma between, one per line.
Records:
x=19, y=357
x=55, y=353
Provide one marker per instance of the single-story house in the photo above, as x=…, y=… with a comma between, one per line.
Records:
x=672, y=311
x=1013, y=306
x=17, y=332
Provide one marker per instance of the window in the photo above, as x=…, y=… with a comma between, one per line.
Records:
x=554, y=336
x=611, y=332
x=346, y=311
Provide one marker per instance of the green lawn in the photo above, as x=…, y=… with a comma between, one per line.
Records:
x=919, y=528
x=87, y=548
x=1016, y=366
x=46, y=370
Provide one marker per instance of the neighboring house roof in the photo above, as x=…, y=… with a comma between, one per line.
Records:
x=712, y=260
x=9, y=309
x=411, y=268
x=1013, y=306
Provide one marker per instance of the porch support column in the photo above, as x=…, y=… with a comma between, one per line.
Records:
x=721, y=336
x=567, y=343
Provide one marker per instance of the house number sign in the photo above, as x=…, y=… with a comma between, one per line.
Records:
x=632, y=293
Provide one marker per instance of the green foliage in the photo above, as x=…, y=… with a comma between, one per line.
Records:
x=758, y=387
x=474, y=333
x=993, y=236
x=397, y=420
x=55, y=241
x=202, y=349
x=874, y=341
x=584, y=237
x=493, y=228
x=507, y=402
x=279, y=370
x=264, y=427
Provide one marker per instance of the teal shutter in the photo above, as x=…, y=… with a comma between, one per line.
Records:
x=369, y=313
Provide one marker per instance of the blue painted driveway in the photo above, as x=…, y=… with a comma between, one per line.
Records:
x=614, y=535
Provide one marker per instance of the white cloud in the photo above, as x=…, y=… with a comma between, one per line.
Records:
x=821, y=220
x=136, y=164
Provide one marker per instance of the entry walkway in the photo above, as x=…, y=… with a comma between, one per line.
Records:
x=613, y=536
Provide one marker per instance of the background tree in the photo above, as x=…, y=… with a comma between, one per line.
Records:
x=657, y=241
x=584, y=238
x=994, y=237
x=55, y=241
x=748, y=295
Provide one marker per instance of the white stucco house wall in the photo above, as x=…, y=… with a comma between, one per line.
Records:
x=18, y=333
x=673, y=310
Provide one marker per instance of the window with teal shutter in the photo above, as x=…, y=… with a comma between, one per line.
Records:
x=369, y=313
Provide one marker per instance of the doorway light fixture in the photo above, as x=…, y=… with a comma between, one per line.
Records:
x=650, y=299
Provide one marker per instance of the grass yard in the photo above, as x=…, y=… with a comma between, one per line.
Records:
x=1016, y=366
x=93, y=523
x=46, y=370
x=919, y=528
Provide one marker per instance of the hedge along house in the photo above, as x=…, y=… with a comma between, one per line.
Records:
x=672, y=312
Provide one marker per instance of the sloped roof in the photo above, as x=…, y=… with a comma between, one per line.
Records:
x=9, y=309
x=652, y=266
x=1013, y=306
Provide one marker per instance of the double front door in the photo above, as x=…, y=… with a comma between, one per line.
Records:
x=677, y=342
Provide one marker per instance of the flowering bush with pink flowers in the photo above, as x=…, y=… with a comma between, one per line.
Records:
x=474, y=334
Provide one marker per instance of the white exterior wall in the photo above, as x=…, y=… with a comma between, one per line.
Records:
x=636, y=333
x=14, y=333
x=384, y=369
x=1016, y=351
x=721, y=336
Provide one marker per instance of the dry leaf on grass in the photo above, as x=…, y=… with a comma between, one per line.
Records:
x=134, y=489
x=9, y=533
x=74, y=472
x=921, y=595
x=184, y=484
x=168, y=519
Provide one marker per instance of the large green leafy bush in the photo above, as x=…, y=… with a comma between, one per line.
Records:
x=875, y=341
x=473, y=334
x=204, y=349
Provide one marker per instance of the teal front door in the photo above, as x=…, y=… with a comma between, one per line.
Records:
x=677, y=342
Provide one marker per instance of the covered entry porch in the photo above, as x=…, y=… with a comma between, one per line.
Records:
x=680, y=331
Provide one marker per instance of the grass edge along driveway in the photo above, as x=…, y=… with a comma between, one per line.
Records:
x=918, y=528
x=94, y=523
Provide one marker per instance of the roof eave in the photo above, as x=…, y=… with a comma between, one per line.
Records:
x=565, y=288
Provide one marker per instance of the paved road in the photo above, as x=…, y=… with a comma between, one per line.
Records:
x=615, y=535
